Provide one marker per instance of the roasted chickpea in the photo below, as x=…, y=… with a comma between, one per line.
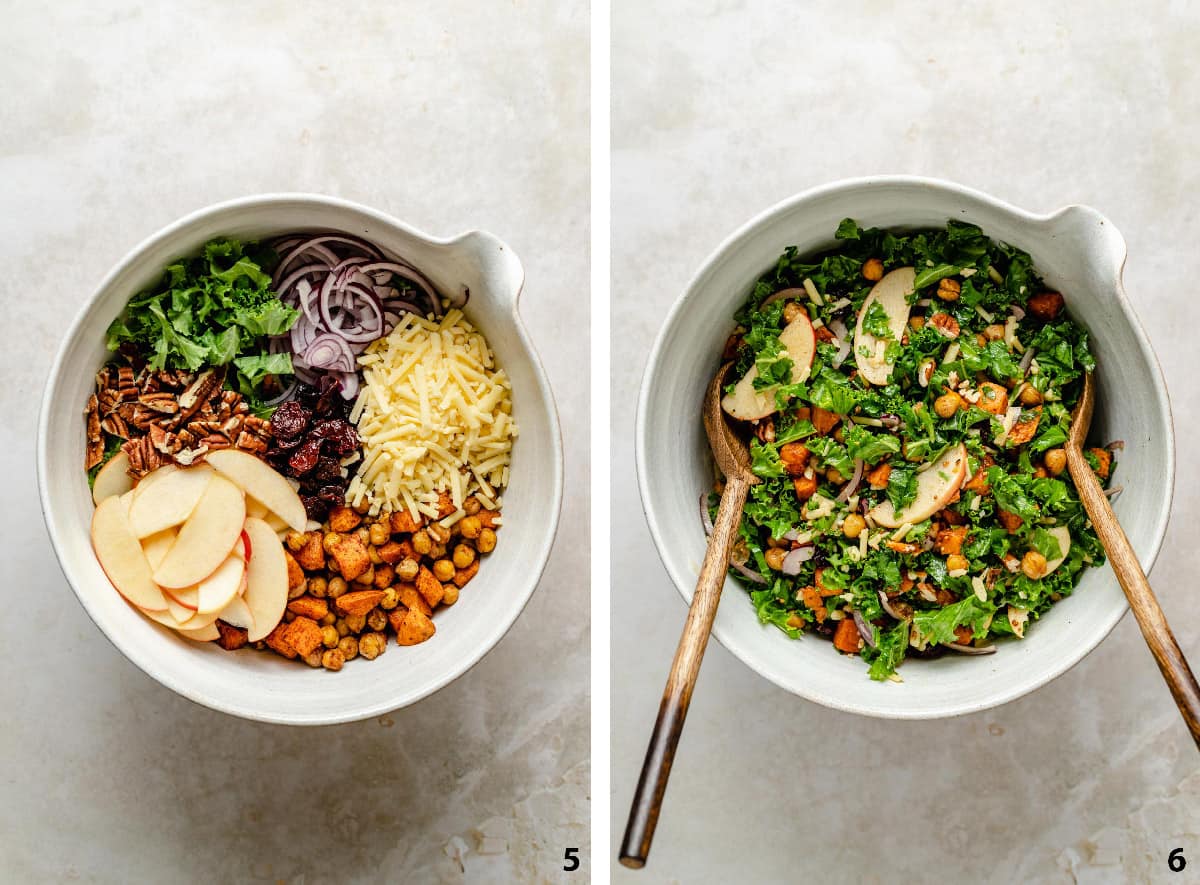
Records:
x=470, y=527
x=295, y=541
x=313, y=658
x=1030, y=395
x=1056, y=461
x=853, y=525
x=795, y=622
x=872, y=270
x=407, y=570
x=329, y=541
x=421, y=542
x=376, y=620
x=342, y=627
x=437, y=551
x=390, y=600
x=791, y=310
x=367, y=577
x=917, y=322
x=372, y=645
x=1033, y=564
x=348, y=646
x=834, y=476
x=329, y=620
x=956, y=562
x=450, y=594
x=379, y=534
x=317, y=586
x=373, y=555
x=298, y=591
x=356, y=623
x=443, y=570
x=438, y=533
x=363, y=534
x=361, y=507
x=775, y=557
x=487, y=541
x=333, y=659
x=335, y=587
x=464, y=555
x=472, y=505
x=946, y=405
x=329, y=637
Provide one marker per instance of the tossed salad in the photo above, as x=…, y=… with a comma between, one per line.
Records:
x=909, y=396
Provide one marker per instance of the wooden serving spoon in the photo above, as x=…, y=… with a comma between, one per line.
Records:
x=1150, y=617
x=733, y=460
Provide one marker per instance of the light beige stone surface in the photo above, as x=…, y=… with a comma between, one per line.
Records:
x=115, y=119
x=720, y=110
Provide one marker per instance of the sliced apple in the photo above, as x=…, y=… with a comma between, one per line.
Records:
x=936, y=487
x=258, y=480
x=215, y=591
x=170, y=501
x=891, y=293
x=1063, y=535
x=237, y=613
x=112, y=478
x=206, y=538
x=148, y=481
x=181, y=607
x=256, y=508
x=121, y=556
x=165, y=618
x=156, y=546
x=746, y=403
x=207, y=633
x=266, y=579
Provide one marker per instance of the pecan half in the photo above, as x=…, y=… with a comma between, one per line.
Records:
x=94, y=453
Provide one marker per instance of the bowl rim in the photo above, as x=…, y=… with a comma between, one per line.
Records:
x=145, y=662
x=684, y=583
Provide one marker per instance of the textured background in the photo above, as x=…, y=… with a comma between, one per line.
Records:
x=118, y=117
x=721, y=109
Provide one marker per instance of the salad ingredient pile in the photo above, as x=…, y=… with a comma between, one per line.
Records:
x=250, y=390
x=909, y=396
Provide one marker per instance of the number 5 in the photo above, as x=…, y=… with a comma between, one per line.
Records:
x=571, y=860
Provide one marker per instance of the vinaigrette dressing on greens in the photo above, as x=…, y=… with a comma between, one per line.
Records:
x=964, y=435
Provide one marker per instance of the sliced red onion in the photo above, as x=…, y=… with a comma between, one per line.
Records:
x=923, y=302
x=1026, y=359
x=783, y=293
x=791, y=535
x=891, y=422
x=1116, y=445
x=704, y=517
x=843, y=351
x=283, y=397
x=845, y=493
x=865, y=630
x=1018, y=312
x=330, y=351
x=970, y=649
x=796, y=558
x=838, y=328
x=887, y=606
x=747, y=573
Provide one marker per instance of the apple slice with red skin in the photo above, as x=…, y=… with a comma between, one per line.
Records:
x=266, y=579
x=182, y=608
x=263, y=483
x=936, y=487
x=215, y=591
x=237, y=614
x=746, y=403
x=112, y=478
x=121, y=556
x=206, y=538
x=169, y=501
x=891, y=293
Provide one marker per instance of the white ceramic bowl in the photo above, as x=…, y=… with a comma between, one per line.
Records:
x=264, y=686
x=1078, y=252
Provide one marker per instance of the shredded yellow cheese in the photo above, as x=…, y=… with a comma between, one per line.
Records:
x=435, y=415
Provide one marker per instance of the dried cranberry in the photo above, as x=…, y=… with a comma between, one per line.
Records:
x=281, y=446
x=289, y=421
x=328, y=469
x=332, y=494
x=315, y=507
x=328, y=428
x=305, y=458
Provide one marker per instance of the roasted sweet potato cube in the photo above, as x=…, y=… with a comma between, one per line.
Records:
x=879, y=476
x=312, y=555
x=350, y=556
x=993, y=398
x=824, y=420
x=403, y=521
x=410, y=598
x=294, y=572
x=358, y=602
x=414, y=627
x=804, y=487
x=795, y=458
x=384, y=575
x=429, y=587
x=1010, y=521
x=303, y=635
x=964, y=635
x=847, y=638
x=1046, y=306
x=1103, y=462
x=232, y=638
x=343, y=519
x=445, y=505
x=394, y=551
x=1025, y=427
x=278, y=642
x=463, y=575
x=487, y=518
x=951, y=540
x=309, y=607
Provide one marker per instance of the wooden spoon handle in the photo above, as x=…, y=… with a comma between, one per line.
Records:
x=1149, y=614
x=656, y=769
